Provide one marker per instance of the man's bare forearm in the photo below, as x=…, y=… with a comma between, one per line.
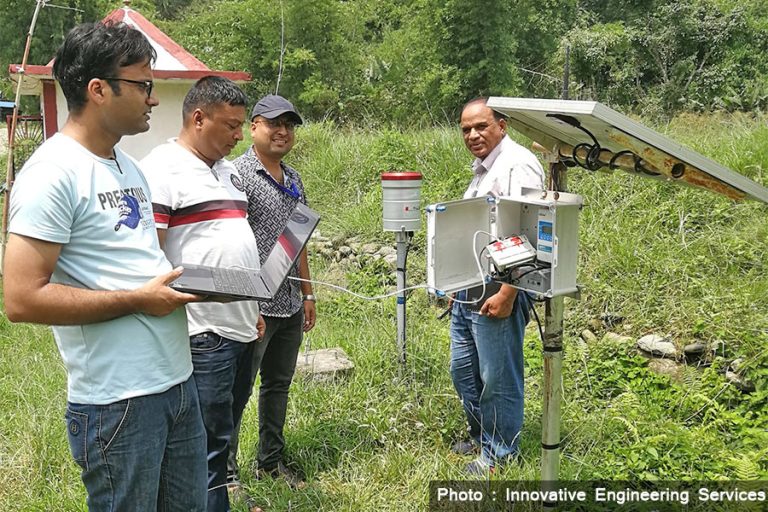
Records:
x=56, y=304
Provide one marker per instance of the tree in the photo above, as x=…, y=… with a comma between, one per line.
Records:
x=53, y=23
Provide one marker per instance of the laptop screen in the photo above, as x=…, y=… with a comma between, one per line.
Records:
x=289, y=245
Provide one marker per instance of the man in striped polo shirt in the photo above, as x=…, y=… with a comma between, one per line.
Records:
x=200, y=210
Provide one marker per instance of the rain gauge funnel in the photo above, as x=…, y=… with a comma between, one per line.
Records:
x=401, y=192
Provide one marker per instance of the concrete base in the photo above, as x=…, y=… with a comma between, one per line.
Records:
x=324, y=365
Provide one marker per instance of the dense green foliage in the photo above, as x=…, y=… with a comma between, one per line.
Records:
x=415, y=62
x=671, y=260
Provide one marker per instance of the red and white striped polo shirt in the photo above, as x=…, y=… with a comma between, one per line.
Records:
x=204, y=210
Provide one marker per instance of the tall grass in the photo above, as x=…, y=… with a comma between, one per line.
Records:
x=671, y=260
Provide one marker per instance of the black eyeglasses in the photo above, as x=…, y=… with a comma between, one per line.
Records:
x=276, y=123
x=147, y=85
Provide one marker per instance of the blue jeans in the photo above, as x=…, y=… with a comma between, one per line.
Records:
x=222, y=373
x=487, y=372
x=142, y=453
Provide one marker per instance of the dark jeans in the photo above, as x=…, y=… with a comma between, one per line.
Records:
x=222, y=372
x=142, y=453
x=275, y=359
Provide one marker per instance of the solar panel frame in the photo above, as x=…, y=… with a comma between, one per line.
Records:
x=616, y=132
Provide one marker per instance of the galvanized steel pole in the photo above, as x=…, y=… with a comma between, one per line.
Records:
x=553, y=363
x=401, y=237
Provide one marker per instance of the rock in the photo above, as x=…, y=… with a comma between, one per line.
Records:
x=612, y=337
x=324, y=365
x=611, y=319
x=355, y=246
x=316, y=236
x=695, y=350
x=588, y=336
x=718, y=346
x=734, y=375
x=595, y=325
x=370, y=248
x=345, y=250
x=391, y=258
x=657, y=346
x=740, y=382
x=327, y=252
x=665, y=367
x=387, y=250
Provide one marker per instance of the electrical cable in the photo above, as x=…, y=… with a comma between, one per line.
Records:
x=517, y=279
x=420, y=286
x=536, y=315
x=359, y=296
x=341, y=288
x=479, y=266
x=396, y=292
x=612, y=163
x=593, y=151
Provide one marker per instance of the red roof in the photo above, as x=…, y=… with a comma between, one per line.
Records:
x=173, y=61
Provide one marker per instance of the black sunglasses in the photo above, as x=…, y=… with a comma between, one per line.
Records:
x=147, y=85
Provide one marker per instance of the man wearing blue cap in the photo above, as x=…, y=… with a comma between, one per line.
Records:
x=273, y=189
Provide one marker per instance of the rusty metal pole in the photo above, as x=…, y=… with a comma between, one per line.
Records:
x=553, y=363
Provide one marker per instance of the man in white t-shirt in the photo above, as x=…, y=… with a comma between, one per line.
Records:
x=83, y=256
x=200, y=209
x=487, y=339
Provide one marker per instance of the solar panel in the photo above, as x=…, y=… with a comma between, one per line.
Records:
x=591, y=135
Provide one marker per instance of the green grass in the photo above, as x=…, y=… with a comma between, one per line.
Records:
x=671, y=260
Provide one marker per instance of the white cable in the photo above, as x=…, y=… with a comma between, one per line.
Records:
x=479, y=267
x=396, y=292
x=364, y=297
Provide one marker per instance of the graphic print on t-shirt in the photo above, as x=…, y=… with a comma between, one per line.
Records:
x=129, y=211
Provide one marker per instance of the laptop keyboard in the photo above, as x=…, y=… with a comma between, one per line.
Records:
x=234, y=281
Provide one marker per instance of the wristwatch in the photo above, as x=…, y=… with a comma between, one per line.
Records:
x=310, y=298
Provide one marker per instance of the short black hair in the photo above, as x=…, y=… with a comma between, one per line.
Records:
x=498, y=116
x=97, y=50
x=210, y=91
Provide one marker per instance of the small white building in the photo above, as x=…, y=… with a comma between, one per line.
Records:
x=174, y=72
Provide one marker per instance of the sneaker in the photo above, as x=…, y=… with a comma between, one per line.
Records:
x=465, y=448
x=293, y=478
x=478, y=468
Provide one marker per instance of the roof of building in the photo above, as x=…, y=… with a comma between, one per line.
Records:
x=173, y=61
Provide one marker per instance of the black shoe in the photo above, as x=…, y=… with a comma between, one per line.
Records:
x=478, y=468
x=239, y=495
x=293, y=478
x=465, y=448
x=233, y=480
